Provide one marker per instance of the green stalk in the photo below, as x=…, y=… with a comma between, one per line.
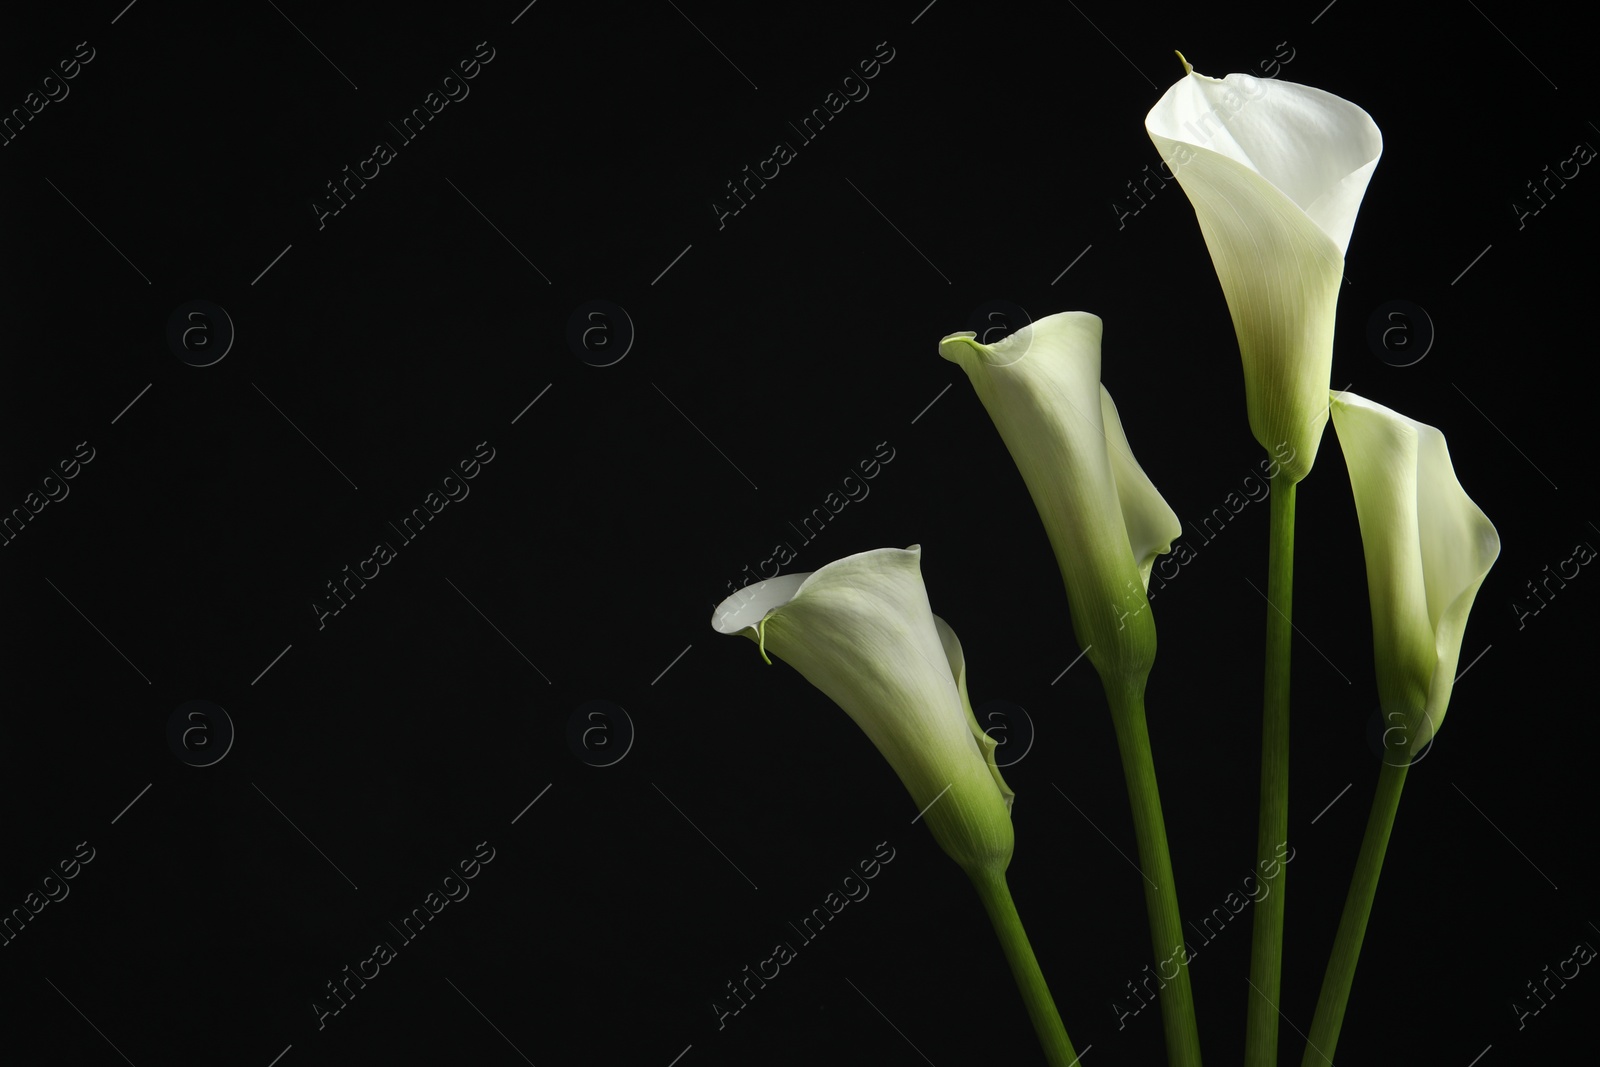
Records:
x=1160, y=887
x=1266, y=946
x=991, y=886
x=1341, y=970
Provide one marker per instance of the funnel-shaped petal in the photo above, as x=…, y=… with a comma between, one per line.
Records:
x=861, y=630
x=1106, y=521
x=1428, y=549
x=1276, y=172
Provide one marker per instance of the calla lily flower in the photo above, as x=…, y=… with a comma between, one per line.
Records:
x=861, y=630
x=1276, y=172
x=1428, y=549
x=1106, y=521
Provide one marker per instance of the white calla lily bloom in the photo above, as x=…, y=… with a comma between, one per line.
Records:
x=1276, y=172
x=1105, y=519
x=861, y=630
x=1428, y=549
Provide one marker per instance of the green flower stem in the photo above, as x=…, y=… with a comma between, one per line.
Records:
x=1353, y=923
x=991, y=886
x=1155, y=864
x=1266, y=946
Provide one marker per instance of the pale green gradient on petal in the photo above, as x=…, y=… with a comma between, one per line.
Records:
x=958, y=668
x=861, y=630
x=1276, y=172
x=1152, y=526
x=1105, y=519
x=1428, y=549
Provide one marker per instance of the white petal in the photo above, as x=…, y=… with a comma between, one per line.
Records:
x=1428, y=548
x=1106, y=521
x=1459, y=545
x=1380, y=452
x=861, y=630
x=1275, y=172
x=1319, y=150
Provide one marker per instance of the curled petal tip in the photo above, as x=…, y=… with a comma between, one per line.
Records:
x=960, y=348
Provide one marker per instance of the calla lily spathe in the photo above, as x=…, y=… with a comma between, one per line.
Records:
x=1106, y=521
x=1276, y=172
x=1428, y=549
x=861, y=630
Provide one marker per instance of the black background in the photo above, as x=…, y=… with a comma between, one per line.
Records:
x=428, y=714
